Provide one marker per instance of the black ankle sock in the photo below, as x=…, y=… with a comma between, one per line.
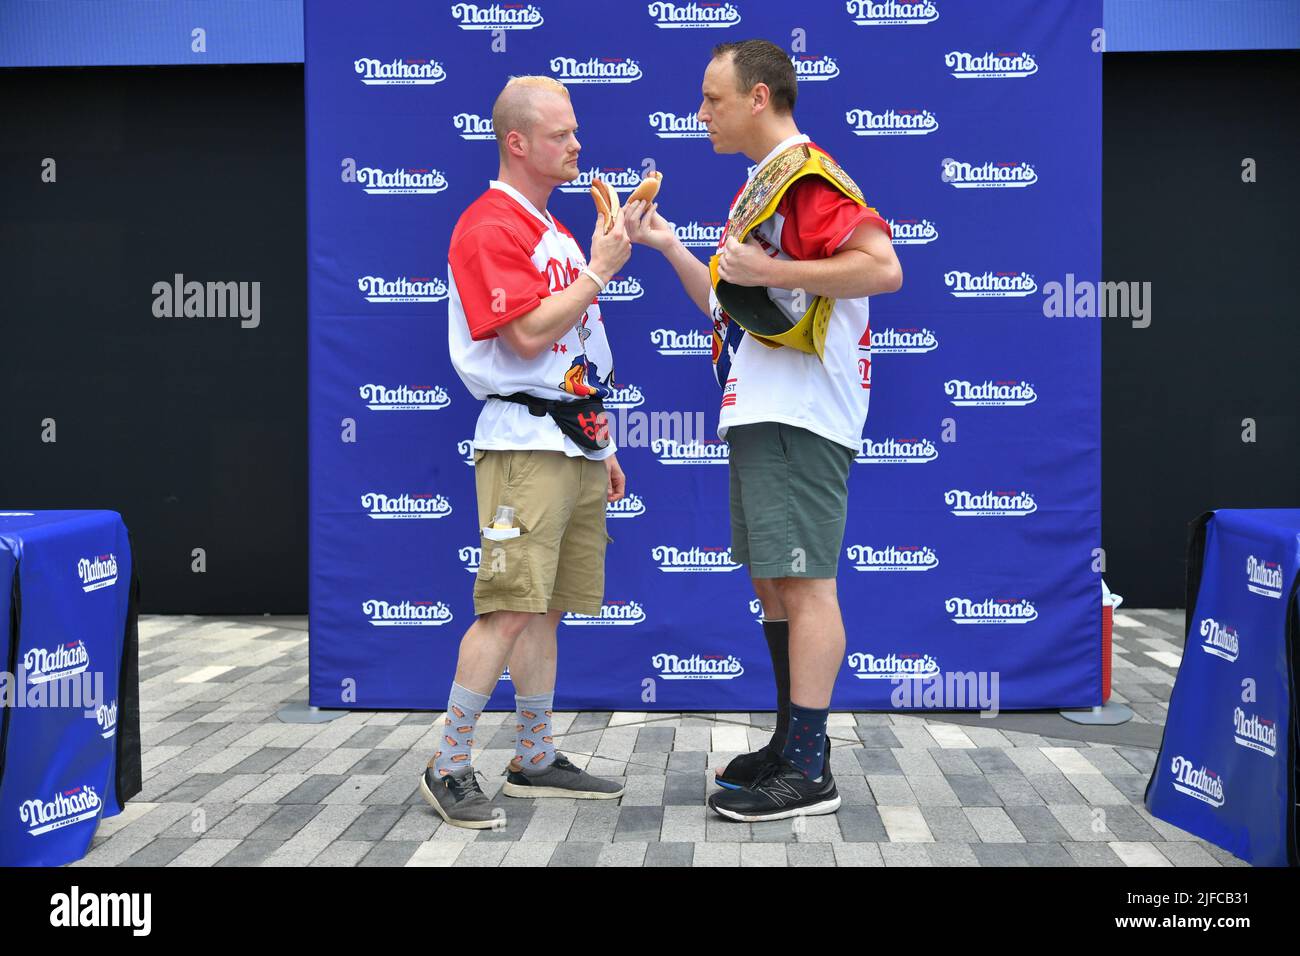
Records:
x=778, y=645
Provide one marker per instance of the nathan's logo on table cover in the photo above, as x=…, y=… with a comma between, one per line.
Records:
x=890, y=558
x=1251, y=732
x=672, y=342
x=756, y=609
x=891, y=122
x=673, y=452
x=913, y=232
x=990, y=66
x=1220, y=639
x=106, y=717
x=624, y=396
x=989, y=175
x=897, y=451
x=889, y=341
x=697, y=667
x=687, y=16
x=990, y=285
x=402, y=289
x=990, y=610
x=17, y=514
x=613, y=614
x=403, y=181
x=693, y=559
x=498, y=16
x=473, y=126
x=621, y=179
x=990, y=504
x=470, y=556
x=406, y=614
x=891, y=13
x=399, y=72
x=629, y=506
x=379, y=505
x=1198, y=782
x=677, y=126
x=97, y=572
x=465, y=448
x=699, y=235
x=67, y=807
x=621, y=289
x=989, y=393
x=63, y=660
x=1265, y=577
x=813, y=69
x=890, y=666
x=571, y=71
x=404, y=398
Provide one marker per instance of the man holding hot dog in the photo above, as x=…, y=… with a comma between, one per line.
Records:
x=526, y=337
x=787, y=293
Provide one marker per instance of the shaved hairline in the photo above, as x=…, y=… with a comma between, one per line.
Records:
x=516, y=106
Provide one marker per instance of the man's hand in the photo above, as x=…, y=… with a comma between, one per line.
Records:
x=744, y=264
x=645, y=226
x=616, y=481
x=609, y=250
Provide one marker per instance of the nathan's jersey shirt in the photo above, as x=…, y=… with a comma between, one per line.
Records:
x=828, y=397
x=504, y=258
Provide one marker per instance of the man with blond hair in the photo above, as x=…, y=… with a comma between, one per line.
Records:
x=526, y=337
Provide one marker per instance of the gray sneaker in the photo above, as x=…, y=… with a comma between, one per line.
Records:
x=459, y=800
x=560, y=779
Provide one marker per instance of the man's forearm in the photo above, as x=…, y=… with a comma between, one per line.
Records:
x=691, y=272
x=849, y=274
x=552, y=318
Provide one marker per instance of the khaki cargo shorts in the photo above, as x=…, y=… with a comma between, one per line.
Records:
x=558, y=561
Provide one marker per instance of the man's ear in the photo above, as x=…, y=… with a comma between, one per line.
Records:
x=761, y=96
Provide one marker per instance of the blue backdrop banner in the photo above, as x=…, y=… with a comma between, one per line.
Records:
x=973, y=537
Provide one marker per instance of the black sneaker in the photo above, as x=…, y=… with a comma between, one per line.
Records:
x=780, y=791
x=742, y=771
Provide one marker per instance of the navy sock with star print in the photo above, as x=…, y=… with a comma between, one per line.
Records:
x=805, y=745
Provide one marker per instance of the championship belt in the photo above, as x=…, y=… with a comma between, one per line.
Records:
x=750, y=307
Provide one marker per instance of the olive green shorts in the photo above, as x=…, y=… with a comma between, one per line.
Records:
x=789, y=500
x=557, y=563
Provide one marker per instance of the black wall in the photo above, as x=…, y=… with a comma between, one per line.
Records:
x=195, y=429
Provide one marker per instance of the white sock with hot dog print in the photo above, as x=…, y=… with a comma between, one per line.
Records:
x=534, y=745
x=464, y=708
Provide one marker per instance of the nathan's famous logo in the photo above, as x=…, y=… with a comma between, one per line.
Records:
x=624, y=396
x=1205, y=785
x=677, y=126
x=697, y=666
x=97, y=572
x=399, y=72
x=990, y=66
x=989, y=175
x=756, y=609
x=872, y=667
x=629, y=506
x=891, y=13
x=889, y=341
x=989, y=504
x=66, y=808
x=424, y=505
x=63, y=660
x=402, y=289
x=402, y=181
x=897, y=451
x=497, y=16
x=473, y=126
x=672, y=342
x=693, y=559
x=891, y=122
x=989, y=392
x=596, y=69
x=913, y=232
x=699, y=235
x=1249, y=731
x=612, y=614
x=404, y=398
x=695, y=452
x=465, y=448
x=689, y=16
x=989, y=285
x=1219, y=639
x=471, y=556
x=621, y=289
x=990, y=610
x=890, y=558
x=812, y=69
x=406, y=613
x=106, y=718
x=621, y=179
x=1265, y=577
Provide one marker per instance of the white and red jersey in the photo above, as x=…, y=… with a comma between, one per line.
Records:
x=829, y=396
x=504, y=258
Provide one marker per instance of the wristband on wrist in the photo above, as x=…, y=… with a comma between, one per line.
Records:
x=600, y=283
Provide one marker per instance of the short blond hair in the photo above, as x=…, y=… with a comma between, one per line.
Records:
x=515, y=107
